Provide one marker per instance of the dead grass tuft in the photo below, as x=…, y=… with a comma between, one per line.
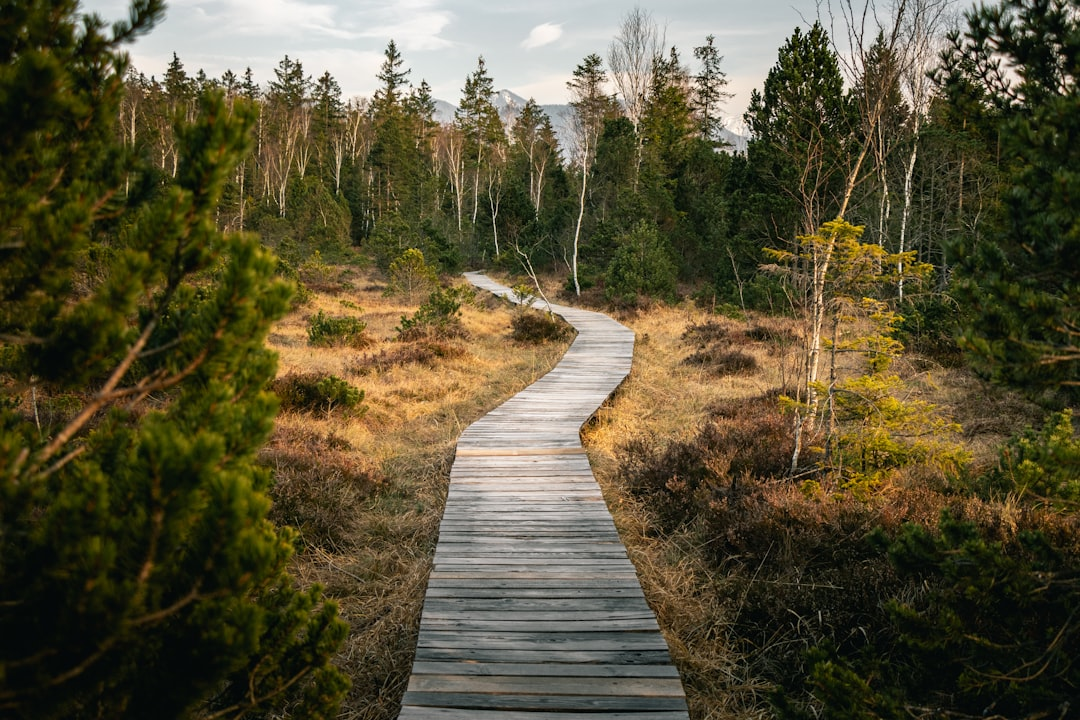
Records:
x=723, y=362
x=706, y=333
x=420, y=352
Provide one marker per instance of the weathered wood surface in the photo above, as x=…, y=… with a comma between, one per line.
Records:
x=533, y=610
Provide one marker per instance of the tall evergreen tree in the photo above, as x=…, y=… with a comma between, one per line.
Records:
x=393, y=157
x=480, y=125
x=139, y=576
x=1018, y=63
x=709, y=92
x=798, y=124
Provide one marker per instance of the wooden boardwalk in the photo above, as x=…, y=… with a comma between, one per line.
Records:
x=533, y=611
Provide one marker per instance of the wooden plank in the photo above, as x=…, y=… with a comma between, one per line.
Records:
x=543, y=669
x=502, y=655
x=416, y=712
x=533, y=610
x=547, y=684
x=516, y=451
x=627, y=603
x=586, y=703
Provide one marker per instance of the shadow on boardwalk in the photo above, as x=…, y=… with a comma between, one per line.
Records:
x=533, y=610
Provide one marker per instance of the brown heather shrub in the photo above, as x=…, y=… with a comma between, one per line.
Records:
x=723, y=362
x=800, y=572
x=772, y=332
x=534, y=326
x=705, y=333
x=426, y=352
x=741, y=439
x=319, y=485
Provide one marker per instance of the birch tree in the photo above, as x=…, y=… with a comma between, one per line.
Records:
x=922, y=29
x=631, y=57
x=591, y=106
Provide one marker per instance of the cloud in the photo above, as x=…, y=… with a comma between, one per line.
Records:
x=542, y=35
x=412, y=24
x=260, y=18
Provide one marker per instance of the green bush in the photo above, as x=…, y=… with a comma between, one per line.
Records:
x=1042, y=466
x=410, y=275
x=438, y=317
x=316, y=392
x=988, y=627
x=327, y=331
x=642, y=266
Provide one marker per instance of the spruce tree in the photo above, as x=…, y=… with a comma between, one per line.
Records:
x=709, y=92
x=1017, y=66
x=798, y=123
x=139, y=576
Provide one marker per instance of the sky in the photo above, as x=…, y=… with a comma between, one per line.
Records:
x=530, y=47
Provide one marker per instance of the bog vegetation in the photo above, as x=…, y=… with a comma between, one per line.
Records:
x=234, y=362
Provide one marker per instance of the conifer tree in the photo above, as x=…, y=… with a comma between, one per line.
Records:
x=1017, y=65
x=480, y=126
x=798, y=124
x=139, y=576
x=393, y=157
x=709, y=92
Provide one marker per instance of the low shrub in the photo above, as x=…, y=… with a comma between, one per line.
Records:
x=319, y=483
x=420, y=352
x=410, y=275
x=439, y=317
x=705, y=333
x=327, y=331
x=534, y=326
x=773, y=334
x=741, y=440
x=317, y=392
x=723, y=362
x=1041, y=467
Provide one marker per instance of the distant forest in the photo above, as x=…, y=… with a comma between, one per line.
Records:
x=916, y=135
x=642, y=170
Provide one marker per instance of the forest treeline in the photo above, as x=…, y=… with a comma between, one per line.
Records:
x=910, y=136
x=918, y=190
x=641, y=195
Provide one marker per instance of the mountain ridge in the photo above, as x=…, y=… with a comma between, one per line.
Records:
x=509, y=104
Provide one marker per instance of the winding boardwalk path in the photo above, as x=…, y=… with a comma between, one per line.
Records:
x=533, y=611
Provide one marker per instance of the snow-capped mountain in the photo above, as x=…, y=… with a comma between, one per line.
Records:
x=509, y=104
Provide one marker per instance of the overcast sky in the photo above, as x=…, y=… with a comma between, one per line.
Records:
x=529, y=46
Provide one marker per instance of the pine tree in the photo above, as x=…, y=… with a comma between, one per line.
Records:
x=394, y=196
x=709, y=93
x=481, y=127
x=1021, y=278
x=139, y=576
x=798, y=124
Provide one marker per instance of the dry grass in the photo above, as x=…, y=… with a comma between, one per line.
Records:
x=366, y=489
x=712, y=580
x=668, y=399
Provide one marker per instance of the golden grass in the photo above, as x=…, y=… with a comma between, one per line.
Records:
x=380, y=476
x=389, y=468
x=665, y=401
